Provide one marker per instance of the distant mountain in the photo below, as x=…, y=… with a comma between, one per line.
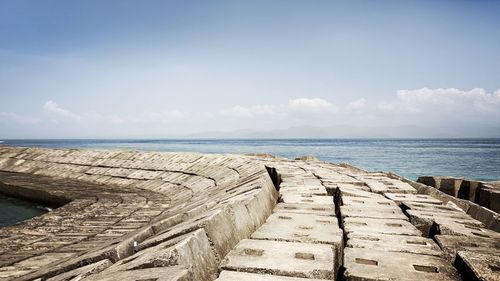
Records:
x=348, y=131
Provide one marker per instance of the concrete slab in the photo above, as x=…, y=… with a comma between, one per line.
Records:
x=174, y=273
x=382, y=226
x=83, y=271
x=478, y=266
x=192, y=250
x=451, y=244
x=243, y=276
x=372, y=212
x=381, y=203
x=370, y=265
x=313, y=209
x=448, y=227
x=303, y=228
x=388, y=185
x=428, y=207
x=306, y=189
x=425, y=221
x=304, y=260
x=394, y=243
x=307, y=198
x=300, y=228
x=345, y=190
x=416, y=198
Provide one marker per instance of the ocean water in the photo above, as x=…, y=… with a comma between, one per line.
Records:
x=13, y=210
x=471, y=158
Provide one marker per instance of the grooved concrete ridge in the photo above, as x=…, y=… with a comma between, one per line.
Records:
x=128, y=215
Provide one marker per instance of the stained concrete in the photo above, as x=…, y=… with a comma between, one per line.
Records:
x=366, y=264
x=244, y=276
x=478, y=266
x=186, y=216
x=305, y=260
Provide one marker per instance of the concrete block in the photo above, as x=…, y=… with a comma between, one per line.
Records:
x=434, y=208
x=449, y=227
x=427, y=180
x=450, y=186
x=300, y=228
x=388, y=185
x=425, y=221
x=303, y=228
x=314, y=190
x=381, y=203
x=468, y=190
x=415, y=198
x=394, y=243
x=372, y=212
x=304, y=260
x=313, y=209
x=349, y=190
x=192, y=250
x=451, y=244
x=83, y=271
x=173, y=273
x=478, y=266
x=382, y=226
x=307, y=198
x=370, y=265
x=244, y=276
x=495, y=201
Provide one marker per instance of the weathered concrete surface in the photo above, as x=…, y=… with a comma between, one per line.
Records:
x=118, y=204
x=305, y=260
x=186, y=216
x=485, y=194
x=244, y=276
x=367, y=264
x=478, y=266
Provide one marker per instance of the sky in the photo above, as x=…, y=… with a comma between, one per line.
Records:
x=169, y=69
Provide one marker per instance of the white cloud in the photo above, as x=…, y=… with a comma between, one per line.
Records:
x=356, y=106
x=449, y=99
x=315, y=105
x=51, y=107
x=20, y=119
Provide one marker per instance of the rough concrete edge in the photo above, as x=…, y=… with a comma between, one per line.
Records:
x=490, y=219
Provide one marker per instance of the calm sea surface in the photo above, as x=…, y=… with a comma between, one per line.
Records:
x=472, y=158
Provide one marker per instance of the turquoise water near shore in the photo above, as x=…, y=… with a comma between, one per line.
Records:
x=472, y=158
x=13, y=210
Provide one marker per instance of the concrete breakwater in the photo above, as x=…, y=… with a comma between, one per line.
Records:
x=486, y=194
x=127, y=215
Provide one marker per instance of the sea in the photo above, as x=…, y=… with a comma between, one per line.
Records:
x=470, y=158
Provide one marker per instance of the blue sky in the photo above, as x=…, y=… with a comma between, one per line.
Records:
x=159, y=69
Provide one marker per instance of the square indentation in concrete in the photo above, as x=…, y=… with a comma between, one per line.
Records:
x=304, y=260
x=383, y=226
x=313, y=209
x=370, y=265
